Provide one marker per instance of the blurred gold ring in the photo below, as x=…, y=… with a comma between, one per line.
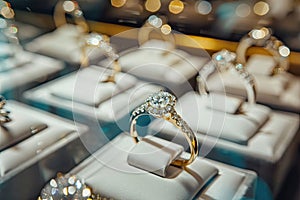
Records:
x=263, y=37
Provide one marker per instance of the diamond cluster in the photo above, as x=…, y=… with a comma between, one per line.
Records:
x=4, y=114
x=223, y=58
x=160, y=103
x=66, y=187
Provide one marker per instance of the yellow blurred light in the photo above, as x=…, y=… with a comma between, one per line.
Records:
x=166, y=29
x=261, y=8
x=176, y=6
x=203, y=7
x=243, y=10
x=152, y=5
x=118, y=3
x=7, y=12
x=68, y=6
x=284, y=51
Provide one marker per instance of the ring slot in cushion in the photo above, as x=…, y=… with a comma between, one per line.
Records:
x=238, y=128
x=29, y=148
x=109, y=174
x=12, y=62
x=154, y=155
x=39, y=68
x=18, y=129
x=86, y=87
x=153, y=60
x=63, y=44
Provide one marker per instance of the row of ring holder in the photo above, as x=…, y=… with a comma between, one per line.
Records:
x=86, y=39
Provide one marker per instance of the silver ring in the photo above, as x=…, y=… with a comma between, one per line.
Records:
x=225, y=60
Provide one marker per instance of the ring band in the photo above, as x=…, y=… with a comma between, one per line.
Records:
x=161, y=105
x=262, y=37
x=225, y=60
x=71, y=7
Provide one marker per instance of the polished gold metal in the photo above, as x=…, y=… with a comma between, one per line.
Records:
x=161, y=105
x=263, y=37
x=225, y=60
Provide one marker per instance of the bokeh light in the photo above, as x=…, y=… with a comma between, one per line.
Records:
x=176, y=6
x=155, y=21
x=284, y=51
x=152, y=5
x=243, y=10
x=68, y=6
x=261, y=8
x=166, y=29
x=118, y=3
x=203, y=7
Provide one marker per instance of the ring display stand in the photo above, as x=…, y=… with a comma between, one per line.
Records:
x=37, y=145
x=280, y=91
x=263, y=140
x=108, y=103
x=202, y=179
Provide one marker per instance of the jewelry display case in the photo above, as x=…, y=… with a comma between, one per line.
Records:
x=116, y=69
x=34, y=146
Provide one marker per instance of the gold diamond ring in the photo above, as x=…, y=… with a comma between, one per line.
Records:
x=161, y=105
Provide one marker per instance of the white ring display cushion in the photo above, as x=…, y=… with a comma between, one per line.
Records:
x=84, y=93
x=109, y=174
x=282, y=90
x=28, y=68
x=152, y=61
x=32, y=149
x=261, y=136
x=63, y=44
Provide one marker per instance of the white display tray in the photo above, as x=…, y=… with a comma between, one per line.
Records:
x=38, y=157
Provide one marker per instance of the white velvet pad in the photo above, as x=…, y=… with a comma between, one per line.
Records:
x=37, y=70
x=109, y=174
x=238, y=128
x=18, y=129
x=152, y=61
x=268, y=143
x=154, y=155
x=5, y=49
x=63, y=44
x=15, y=61
x=86, y=87
x=223, y=103
x=123, y=181
x=281, y=90
x=21, y=155
x=110, y=110
x=260, y=64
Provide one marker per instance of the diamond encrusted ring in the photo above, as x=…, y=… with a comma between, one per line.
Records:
x=161, y=105
x=263, y=37
x=69, y=187
x=4, y=114
x=225, y=60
